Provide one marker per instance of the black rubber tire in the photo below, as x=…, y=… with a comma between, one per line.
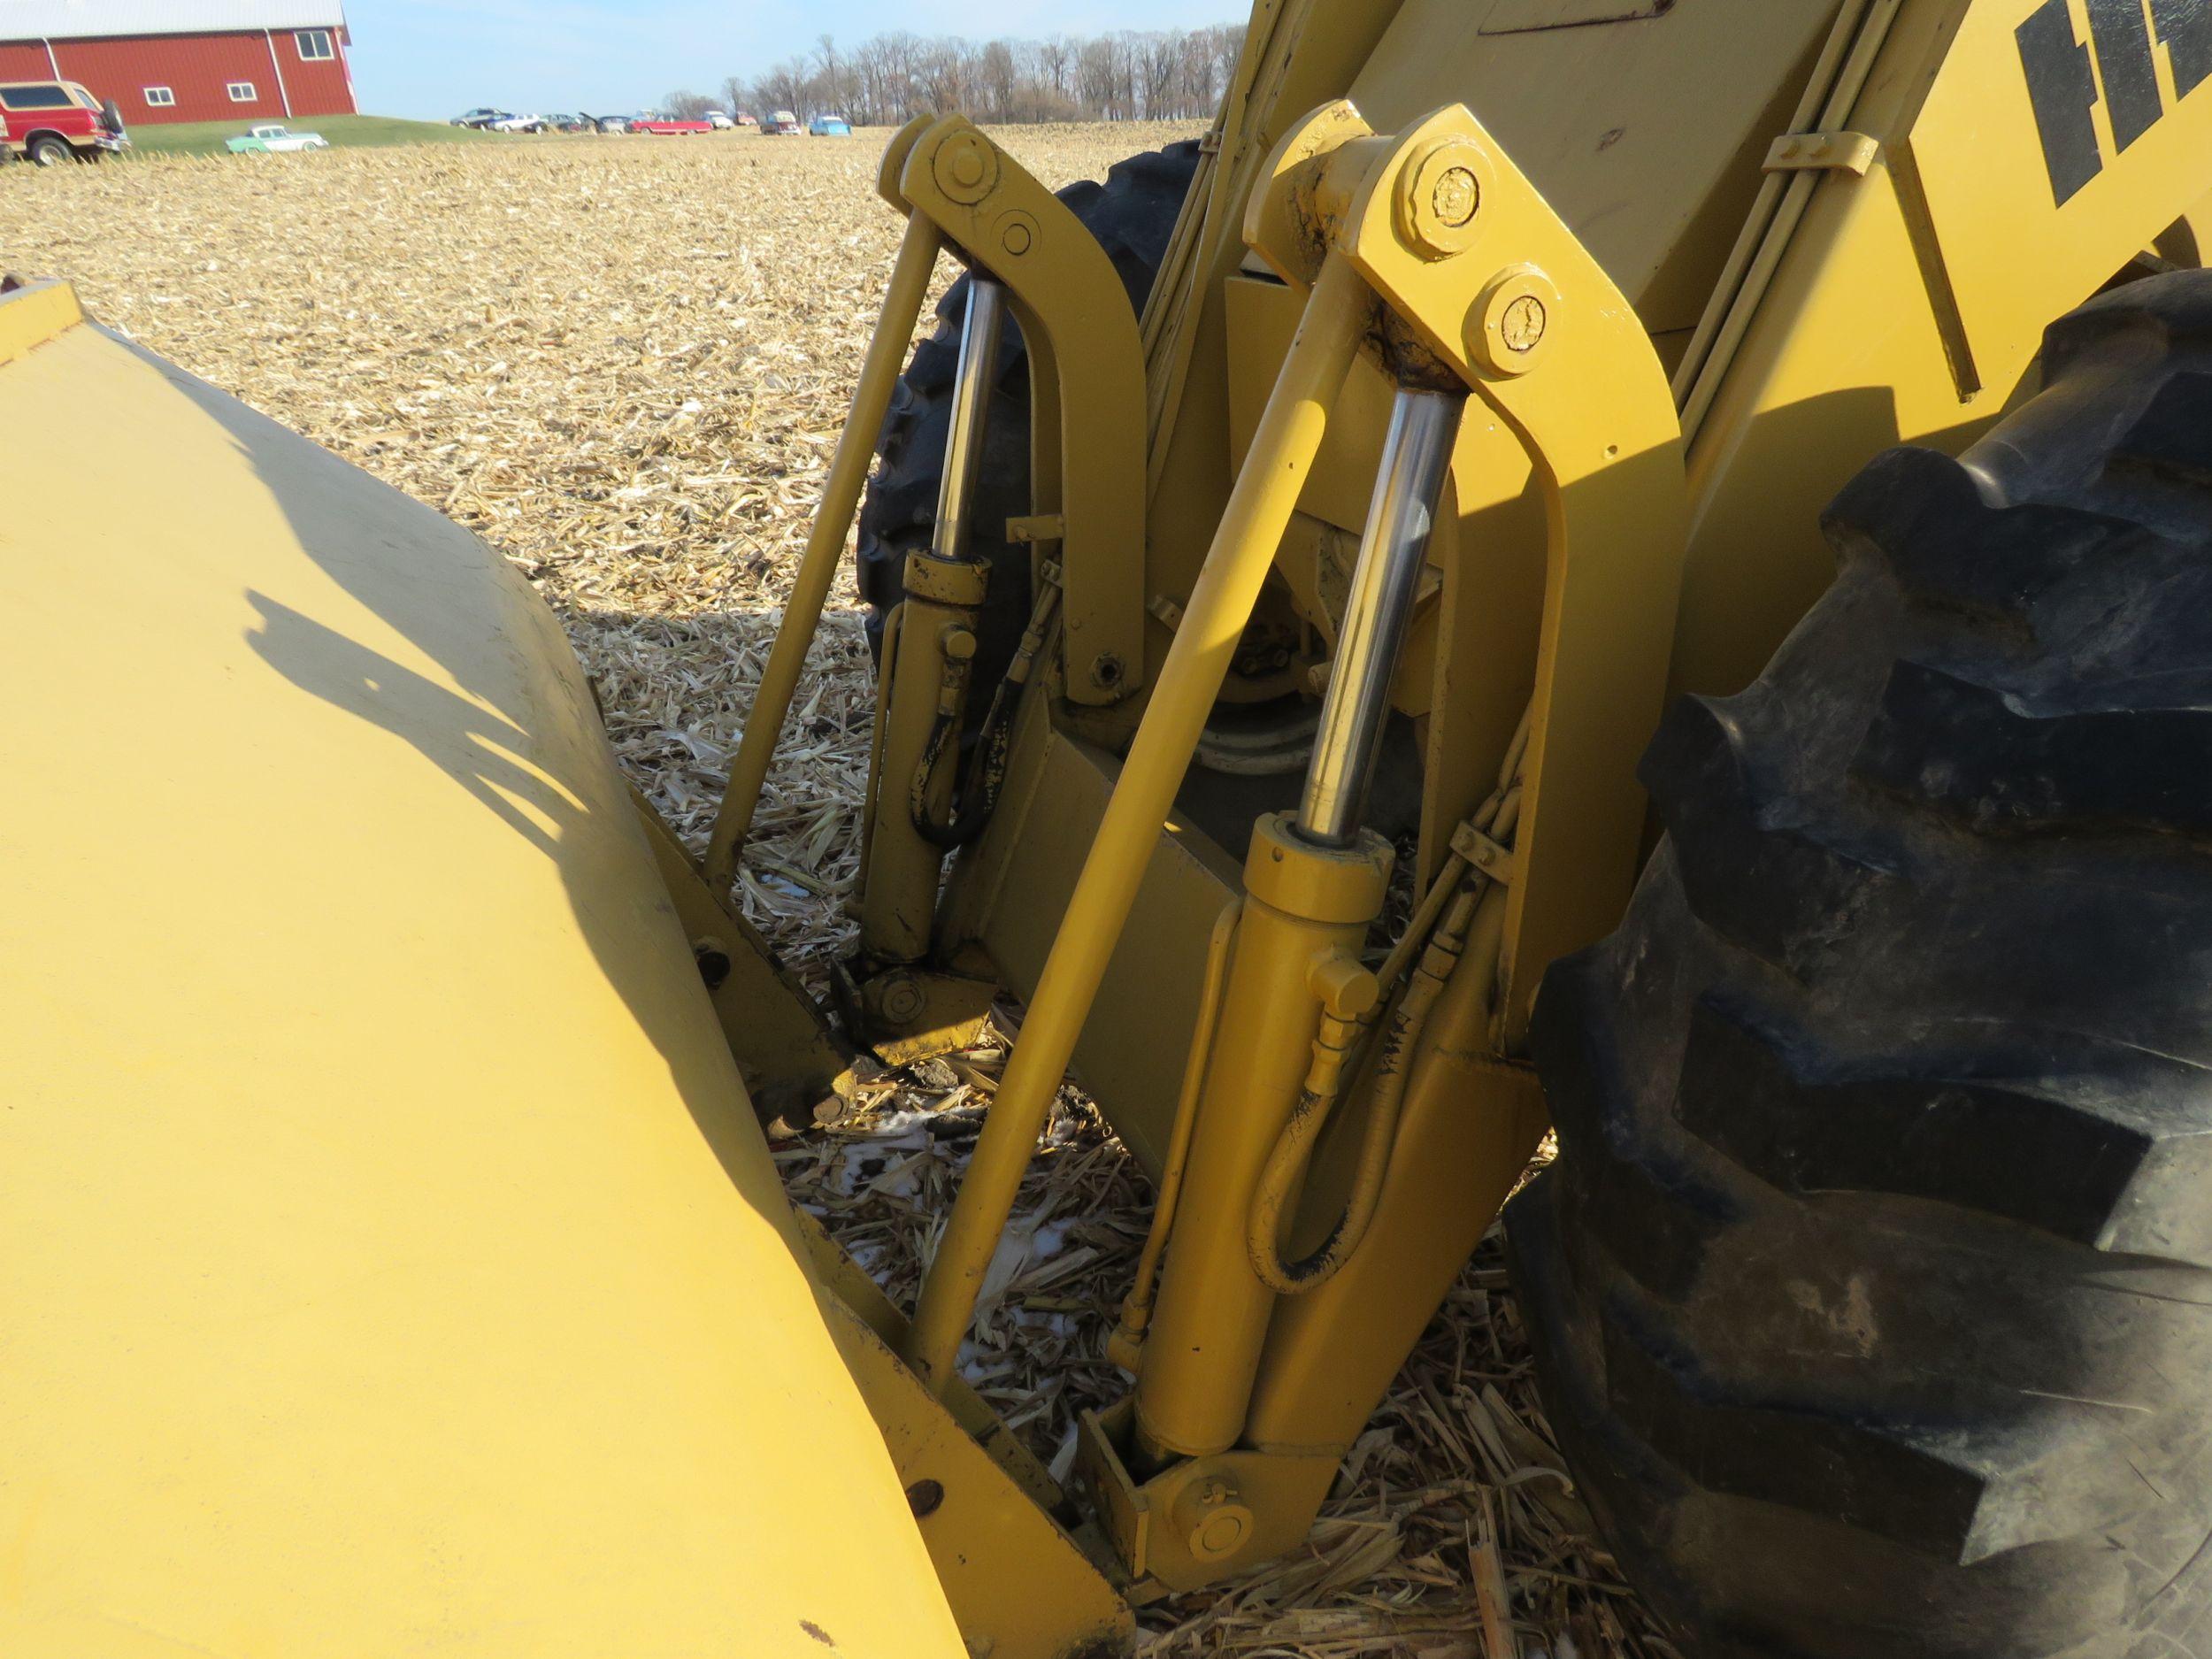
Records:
x=1872, y=1289
x=1133, y=215
x=46, y=150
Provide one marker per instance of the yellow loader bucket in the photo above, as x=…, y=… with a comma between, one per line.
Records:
x=389, y=1262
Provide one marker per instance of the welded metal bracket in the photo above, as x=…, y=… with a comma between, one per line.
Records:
x=794, y=1063
x=1020, y=1585
x=1085, y=379
x=1812, y=152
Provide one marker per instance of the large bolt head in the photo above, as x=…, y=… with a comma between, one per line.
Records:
x=965, y=167
x=1214, y=1519
x=900, y=998
x=1517, y=310
x=1440, y=198
x=1522, y=324
x=1455, y=197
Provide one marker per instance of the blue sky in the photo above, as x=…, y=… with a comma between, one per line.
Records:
x=436, y=57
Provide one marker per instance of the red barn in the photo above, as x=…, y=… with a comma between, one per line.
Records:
x=186, y=60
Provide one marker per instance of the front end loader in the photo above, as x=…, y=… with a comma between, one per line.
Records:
x=394, y=1260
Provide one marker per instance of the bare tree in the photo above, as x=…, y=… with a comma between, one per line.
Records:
x=686, y=106
x=735, y=96
x=1056, y=66
x=831, y=83
x=783, y=87
x=998, y=80
x=946, y=73
x=1172, y=74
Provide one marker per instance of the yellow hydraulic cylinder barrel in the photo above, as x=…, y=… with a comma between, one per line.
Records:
x=928, y=681
x=1306, y=911
x=1243, y=549
x=817, y=568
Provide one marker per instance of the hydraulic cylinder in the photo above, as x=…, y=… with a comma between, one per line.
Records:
x=925, y=684
x=1313, y=885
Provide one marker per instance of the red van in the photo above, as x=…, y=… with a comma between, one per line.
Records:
x=49, y=121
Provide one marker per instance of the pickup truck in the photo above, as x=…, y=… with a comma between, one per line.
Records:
x=50, y=121
x=668, y=127
x=272, y=139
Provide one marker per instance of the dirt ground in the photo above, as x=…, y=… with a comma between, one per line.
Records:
x=624, y=363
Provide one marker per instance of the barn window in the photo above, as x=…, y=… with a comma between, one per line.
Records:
x=243, y=92
x=159, y=97
x=314, y=45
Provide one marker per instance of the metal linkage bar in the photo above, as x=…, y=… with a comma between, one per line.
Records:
x=903, y=299
x=1417, y=453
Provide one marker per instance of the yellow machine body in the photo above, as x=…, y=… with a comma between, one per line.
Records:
x=392, y=1263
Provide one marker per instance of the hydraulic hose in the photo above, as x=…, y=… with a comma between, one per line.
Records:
x=1294, y=1147
x=1453, y=897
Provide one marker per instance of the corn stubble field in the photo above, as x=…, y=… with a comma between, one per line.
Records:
x=624, y=362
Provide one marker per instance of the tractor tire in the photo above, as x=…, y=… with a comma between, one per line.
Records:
x=1871, y=1287
x=46, y=150
x=1133, y=215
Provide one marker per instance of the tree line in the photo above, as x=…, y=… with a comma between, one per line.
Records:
x=1157, y=75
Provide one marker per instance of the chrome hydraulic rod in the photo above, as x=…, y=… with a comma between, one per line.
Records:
x=903, y=299
x=1242, y=552
x=973, y=378
x=1417, y=453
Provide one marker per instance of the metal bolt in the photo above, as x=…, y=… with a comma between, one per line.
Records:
x=1507, y=326
x=923, y=1496
x=1455, y=197
x=713, y=958
x=1106, y=670
x=1438, y=197
x=900, y=998
x=1218, y=1534
x=1015, y=239
x=1522, y=324
x=964, y=168
x=1216, y=1523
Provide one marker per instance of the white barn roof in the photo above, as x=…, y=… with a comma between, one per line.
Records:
x=83, y=20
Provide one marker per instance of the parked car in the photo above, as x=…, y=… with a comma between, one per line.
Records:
x=480, y=117
x=50, y=121
x=519, y=124
x=829, y=126
x=271, y=138
x=668, y=127
x=745, y=121
x=719, y=119
x=614, y=123
x=571, y=123
x=782, y=121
